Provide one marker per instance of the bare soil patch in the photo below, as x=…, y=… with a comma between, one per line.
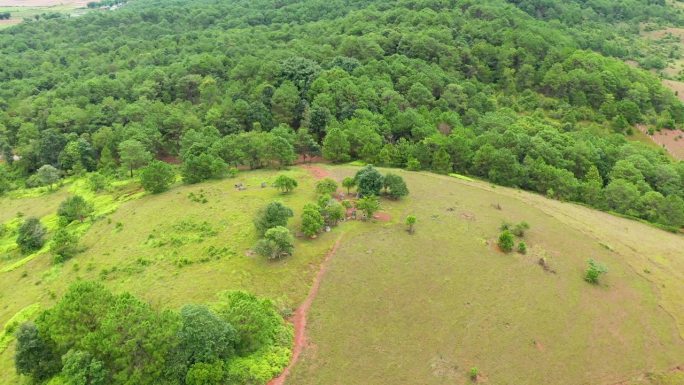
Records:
x=299, y=317
x=671, y=140
x=382, y=217
x=316, y=171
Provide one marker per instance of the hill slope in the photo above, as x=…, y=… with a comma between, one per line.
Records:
x=425, y=308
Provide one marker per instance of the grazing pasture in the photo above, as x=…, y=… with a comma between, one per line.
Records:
x=427, y=308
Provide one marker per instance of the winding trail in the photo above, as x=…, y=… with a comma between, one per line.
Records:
x=299, y=317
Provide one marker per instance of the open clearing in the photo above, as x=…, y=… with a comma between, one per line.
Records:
x=394, y=308
x=425, y=308
x=27, y=9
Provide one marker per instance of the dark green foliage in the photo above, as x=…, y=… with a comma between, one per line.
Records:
x=31, y=235
x=198, y=168
x=326, y=186
x=204, y=337
x=75, y=208
x=285, y=183
x=594, y=271
x=395, y=186
x=274, y=214
x=445, y=92
x=256, y=321
x=277, y=243
x=506, y=241
x=110, y=339
x=5, y=181
x=36, y=355
x=157, y=177
x=369, y=181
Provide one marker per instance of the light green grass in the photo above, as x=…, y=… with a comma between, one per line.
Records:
x=169, y=249
x=396, y=308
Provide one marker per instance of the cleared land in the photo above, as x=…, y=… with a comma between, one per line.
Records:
x=27, y=9
x=392, y=307
x=425, y=308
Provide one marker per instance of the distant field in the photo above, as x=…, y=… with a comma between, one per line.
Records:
x=426, y=308
x=42, y=3
x=22, y=9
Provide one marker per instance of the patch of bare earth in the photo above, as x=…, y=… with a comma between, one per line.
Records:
x=316, y=171
x=671, y=140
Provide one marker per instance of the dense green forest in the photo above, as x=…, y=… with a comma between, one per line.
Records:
x=523, y=93
x=93, y=337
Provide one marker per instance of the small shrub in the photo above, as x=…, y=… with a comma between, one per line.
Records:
x=474, y=372
x=97, y=182
x=594, y=271
x=410, y=223
x=519, y=229
x=64, y=246
x=326, y=186
x=506, y=241
x=522, y=248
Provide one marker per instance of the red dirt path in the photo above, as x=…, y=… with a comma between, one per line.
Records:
x=299, y=317
x=317, y=171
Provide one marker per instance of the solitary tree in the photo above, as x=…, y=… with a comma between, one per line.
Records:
x=312, y=220
x=369, y=205
x=274, y=214
x=326, y=186
x=31, y=235
x=74, y=208
x=348, y=183
x=277, y=243
x=47, y=175
x=133, y=154
x=410, y=223
x=157, y=177
x=594, y=271
x=285, y=183
x=369, y=181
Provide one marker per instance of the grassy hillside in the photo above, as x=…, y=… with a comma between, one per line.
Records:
x=426, y=308
x=168, y=249
x=394, y=307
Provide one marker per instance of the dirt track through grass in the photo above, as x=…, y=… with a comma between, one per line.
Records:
x=424, y=309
